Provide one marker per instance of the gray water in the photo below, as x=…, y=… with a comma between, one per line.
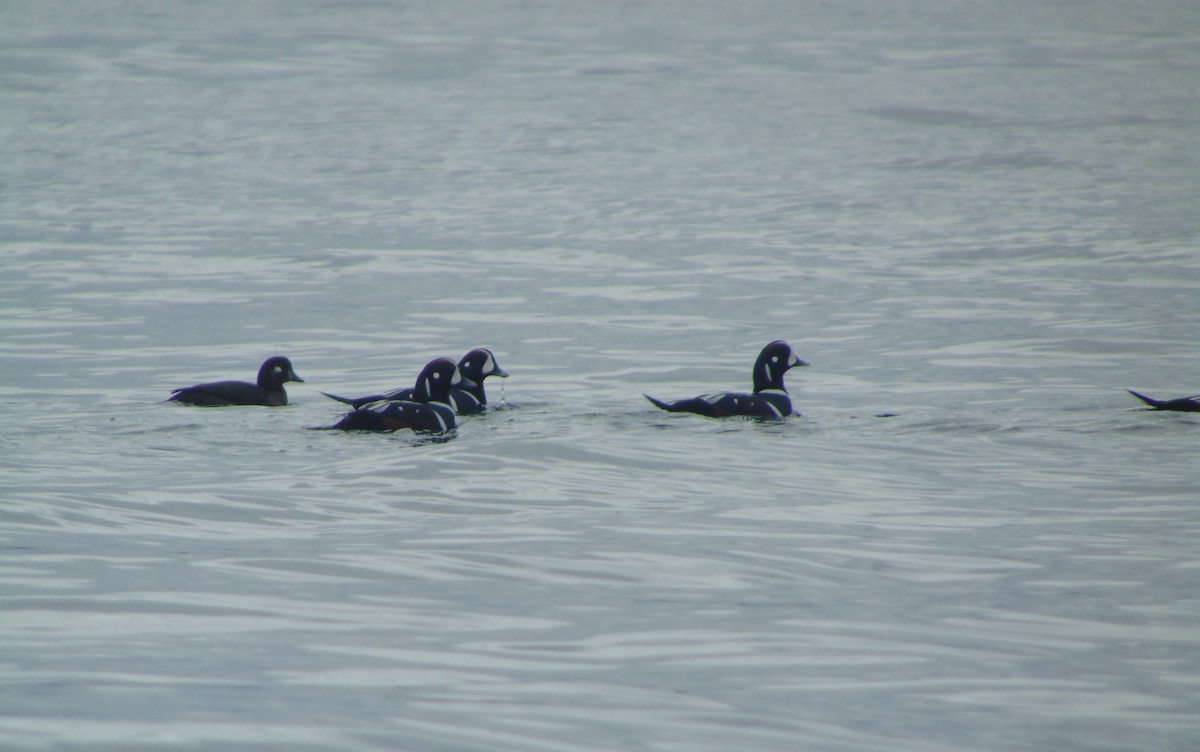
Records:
x=981, y=220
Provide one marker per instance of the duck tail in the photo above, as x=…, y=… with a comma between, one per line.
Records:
x=343, y=400
x=659, y=403
x=1148, y=400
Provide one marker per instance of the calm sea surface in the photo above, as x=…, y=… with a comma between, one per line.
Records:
x=981, y=221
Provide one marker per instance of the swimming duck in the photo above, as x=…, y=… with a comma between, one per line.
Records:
x=267, y=391
x=769, y=399
x=1179, y=404
x=428, y=410
x=474, y=367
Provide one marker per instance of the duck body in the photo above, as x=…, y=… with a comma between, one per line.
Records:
x=268, y=389
x=395, y=415
x=466, y=398
x=426, y=409
x=1180, y=404
x=770, y=406
x=769, y=400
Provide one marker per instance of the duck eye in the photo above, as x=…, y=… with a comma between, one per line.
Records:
x=775, y=359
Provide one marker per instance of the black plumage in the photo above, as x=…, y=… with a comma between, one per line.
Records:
x=769, y=399
x=268, y=390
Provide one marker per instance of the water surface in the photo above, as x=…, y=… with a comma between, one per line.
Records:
x=982, y=224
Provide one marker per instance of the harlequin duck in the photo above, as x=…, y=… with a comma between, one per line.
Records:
x=475, y=366
x=769, y=400
x=268, y=391
x=1180, y=404
x=428, y=411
